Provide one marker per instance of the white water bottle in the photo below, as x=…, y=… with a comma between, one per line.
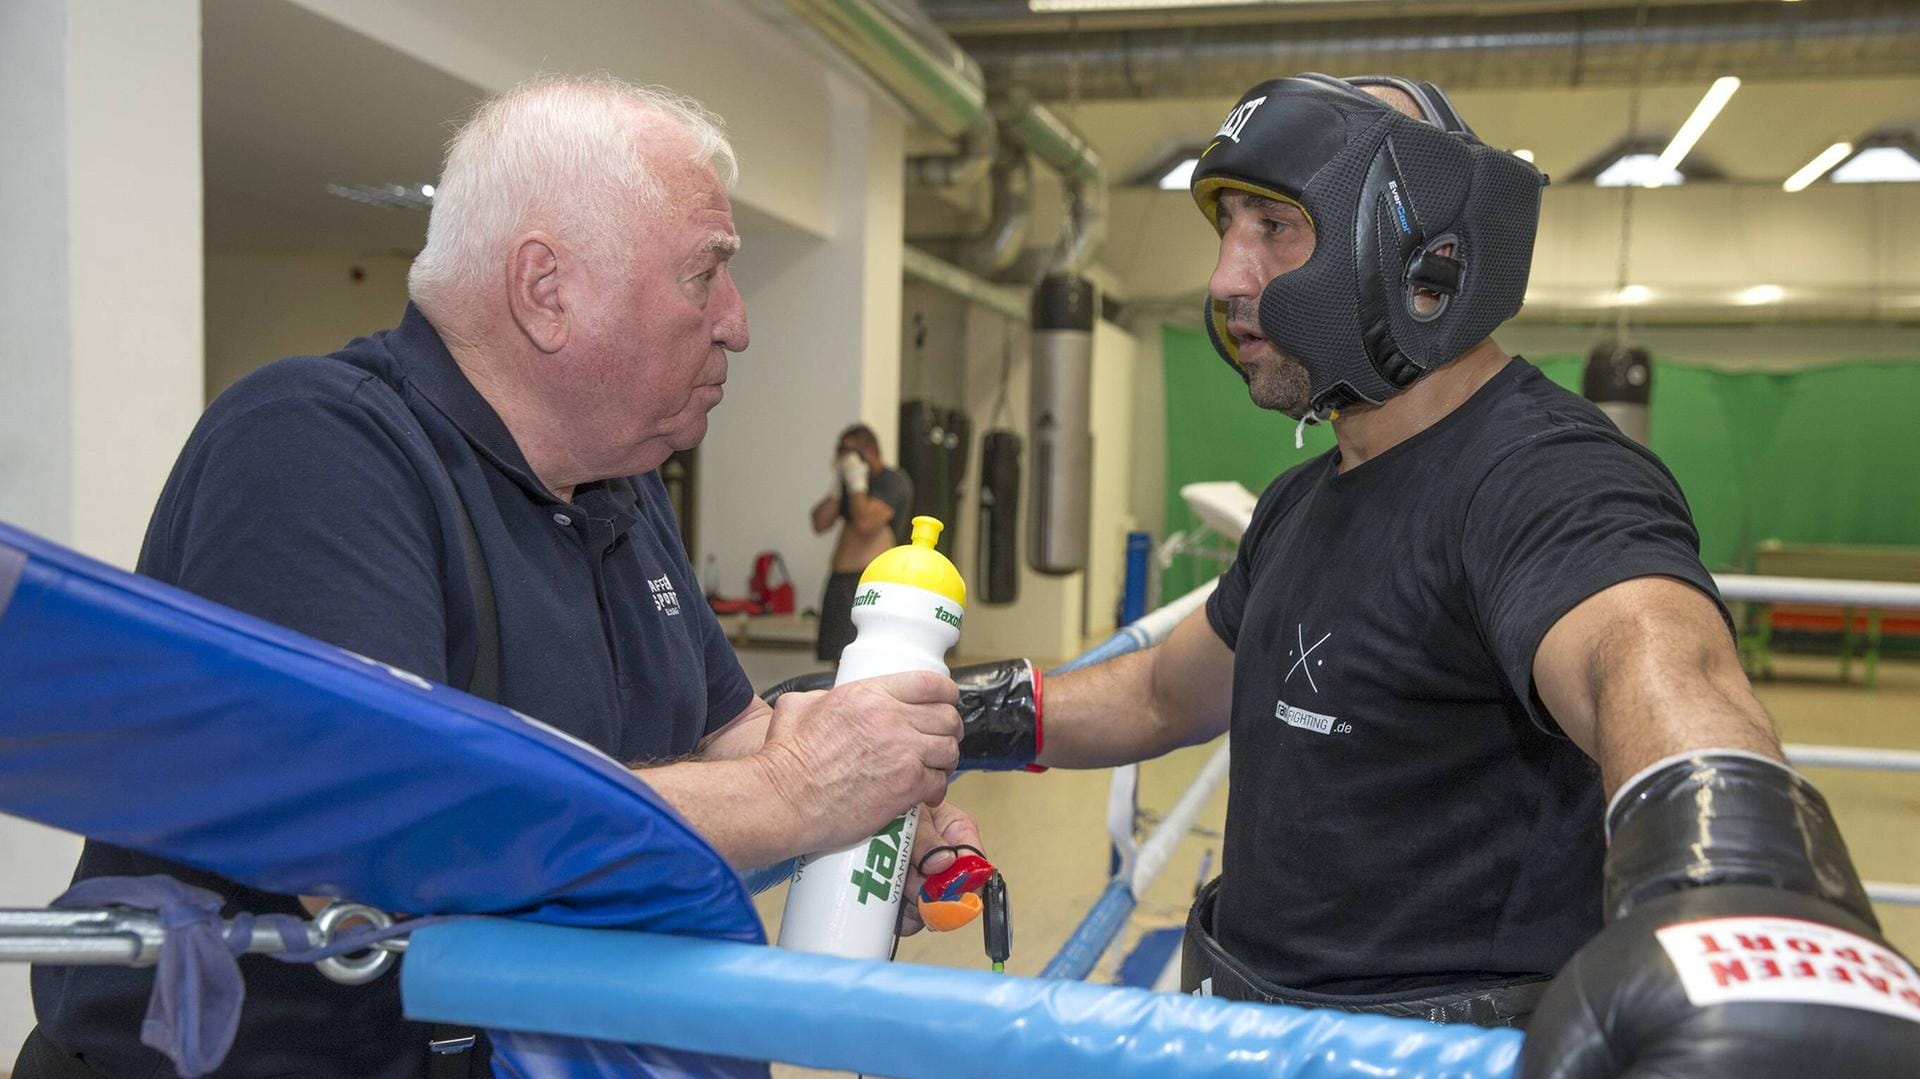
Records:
x=907, y=612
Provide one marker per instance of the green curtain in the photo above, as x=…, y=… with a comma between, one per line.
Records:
x=1828, y=454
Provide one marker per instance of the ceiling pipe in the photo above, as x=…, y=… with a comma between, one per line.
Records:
x=901, y=49
x=1549, y=48
x=1012, y=199
x=962, y=169
x=1055, y=142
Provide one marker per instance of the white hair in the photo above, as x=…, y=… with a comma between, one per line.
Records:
x=562, y=153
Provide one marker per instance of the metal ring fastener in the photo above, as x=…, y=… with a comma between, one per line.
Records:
x=362, y=967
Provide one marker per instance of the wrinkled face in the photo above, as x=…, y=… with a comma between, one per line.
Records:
x=1260, y=239
x=653, y=346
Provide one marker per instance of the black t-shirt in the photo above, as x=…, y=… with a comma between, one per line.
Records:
x=895, y=488
x=1403, y=813
x=308, y=495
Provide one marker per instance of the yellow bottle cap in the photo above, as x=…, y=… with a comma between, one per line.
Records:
x=916, y=563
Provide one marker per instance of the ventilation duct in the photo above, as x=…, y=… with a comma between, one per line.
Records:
x=1593, y=47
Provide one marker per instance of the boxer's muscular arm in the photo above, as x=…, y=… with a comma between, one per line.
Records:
x=1646, y=669
x=1179, y=693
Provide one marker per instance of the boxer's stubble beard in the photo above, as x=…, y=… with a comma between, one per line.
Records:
x=1278, y=381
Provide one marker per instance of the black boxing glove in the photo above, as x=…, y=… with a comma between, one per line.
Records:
x=999, y=710
x=1739, y=941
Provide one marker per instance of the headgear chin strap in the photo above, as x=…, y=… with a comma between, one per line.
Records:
x=1386, y=194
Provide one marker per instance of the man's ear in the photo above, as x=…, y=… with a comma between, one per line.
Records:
x=533, y=292
x=1425, y=301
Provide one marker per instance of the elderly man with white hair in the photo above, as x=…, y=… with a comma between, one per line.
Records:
x=471, y=496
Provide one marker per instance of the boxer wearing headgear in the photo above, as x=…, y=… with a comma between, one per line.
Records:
x=1494, y=756
x=1441, y=229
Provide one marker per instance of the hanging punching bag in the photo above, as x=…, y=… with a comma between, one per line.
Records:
x=997, y=578
x=1061, y=407
x=919, y=456
x=956, y=448
x=1619, y=378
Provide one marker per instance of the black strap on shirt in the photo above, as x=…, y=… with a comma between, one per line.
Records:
x=458, y=1052
x=485, y=680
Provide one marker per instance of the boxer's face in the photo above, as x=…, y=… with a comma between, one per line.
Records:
x=657, y=341
x=1260, y=239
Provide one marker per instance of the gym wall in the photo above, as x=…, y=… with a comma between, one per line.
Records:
x=265, y=305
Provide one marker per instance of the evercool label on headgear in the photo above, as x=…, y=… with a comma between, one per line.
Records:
x=1399, y=206
x=1237, y=119
x=1790, y=961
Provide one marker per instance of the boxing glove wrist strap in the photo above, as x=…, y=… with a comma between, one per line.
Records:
x=1725, y=817
x=1000, y=707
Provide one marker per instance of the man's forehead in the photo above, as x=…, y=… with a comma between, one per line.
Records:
x=1232, y=202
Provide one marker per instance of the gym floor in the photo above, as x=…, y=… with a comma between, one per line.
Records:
x=1047, y=832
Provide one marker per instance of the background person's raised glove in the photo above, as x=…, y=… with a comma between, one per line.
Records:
x=853, y=472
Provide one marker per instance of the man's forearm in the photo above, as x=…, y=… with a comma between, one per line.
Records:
x=1646, y=670
x=1656, y=704
x=737, y=804
x=824, y=511
x=1108, y=714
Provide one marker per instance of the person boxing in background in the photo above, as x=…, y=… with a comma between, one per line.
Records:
x=874, y=505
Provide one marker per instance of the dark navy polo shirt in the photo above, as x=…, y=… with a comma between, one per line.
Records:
x=310, y=495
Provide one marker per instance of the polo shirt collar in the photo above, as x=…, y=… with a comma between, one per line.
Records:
x=432, y=370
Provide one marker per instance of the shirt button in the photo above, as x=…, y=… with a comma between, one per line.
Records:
x=562, y=520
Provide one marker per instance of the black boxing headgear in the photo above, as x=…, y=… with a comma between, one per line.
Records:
x=1385, y=194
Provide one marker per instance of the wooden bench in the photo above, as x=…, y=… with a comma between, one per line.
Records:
x=1846, y=562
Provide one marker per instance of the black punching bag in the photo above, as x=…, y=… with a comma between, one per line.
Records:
x=919, y=457
x=1061, y=413
x=957, y=446
x=1619, y=379
x=997, y=578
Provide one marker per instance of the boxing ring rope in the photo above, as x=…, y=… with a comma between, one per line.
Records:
x=899, y=1019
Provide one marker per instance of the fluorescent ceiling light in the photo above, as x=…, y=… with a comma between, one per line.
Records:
x=1056, y=6
x=1818, y=167
x=1524, y=155
x=1760, y=294
x=1716, y=99
x=1638, y=170
x=1633, y=294
x=1180, y=176
x=388, y=196
x=1879, y=165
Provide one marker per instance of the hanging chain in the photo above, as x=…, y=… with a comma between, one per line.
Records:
x=1622, y=309
x=1003, y=408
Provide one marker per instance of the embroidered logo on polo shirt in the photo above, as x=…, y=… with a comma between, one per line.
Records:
x=665, y=599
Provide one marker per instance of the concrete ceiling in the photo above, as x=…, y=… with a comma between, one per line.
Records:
x=292, y=102
x=1766, y=132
